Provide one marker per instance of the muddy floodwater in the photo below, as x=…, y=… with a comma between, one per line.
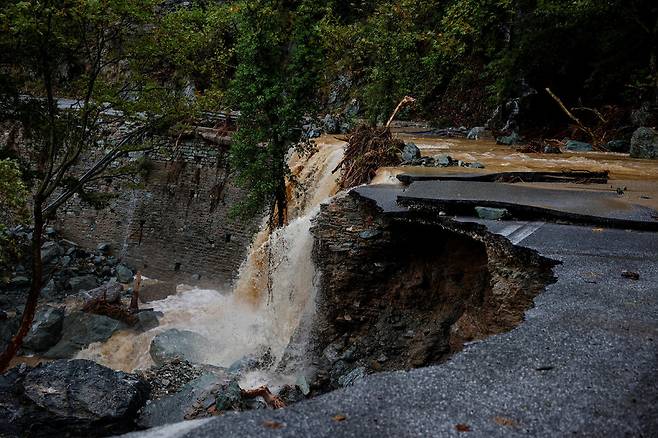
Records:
x=638, y=177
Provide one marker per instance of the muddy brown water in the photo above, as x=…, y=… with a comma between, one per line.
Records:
x=638, y=177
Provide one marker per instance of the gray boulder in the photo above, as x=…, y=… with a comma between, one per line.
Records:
x=147, y=320
x=8, y=328
x=331, y=124
x=351, y=377
x=476, y=133
x=82, y=283
x=110, y=291
x=617, y=146
x=46, y=329
x=443, y=160
x=182, y=344
x=81, y=329
x=644, y=144
x=69, y=398
x=509, y=140
x=410, y=152
x=578, y=146
x=124, y=274
x=174, y=408
x=50, y=251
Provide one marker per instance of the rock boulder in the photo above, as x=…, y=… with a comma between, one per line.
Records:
x=69, y=398
x=644, y=144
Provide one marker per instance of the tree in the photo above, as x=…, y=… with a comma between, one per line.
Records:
x=77, y=49
x=279, y=55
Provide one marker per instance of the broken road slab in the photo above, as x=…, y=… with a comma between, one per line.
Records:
x=523, y=202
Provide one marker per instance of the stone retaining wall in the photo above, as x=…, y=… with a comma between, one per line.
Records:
x=176, y=227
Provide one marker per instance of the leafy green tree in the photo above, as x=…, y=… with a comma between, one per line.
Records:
x=64, y=48
x=279, y=56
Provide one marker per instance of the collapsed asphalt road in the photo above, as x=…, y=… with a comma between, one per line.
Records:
x=584, y=362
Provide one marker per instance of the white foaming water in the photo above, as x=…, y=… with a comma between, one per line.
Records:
x=275, y=288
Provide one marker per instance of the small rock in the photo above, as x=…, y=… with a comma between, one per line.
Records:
x=476, y=133
x=443, y=160
x=66, y=261
x=82, y=283
x=622, y=146
x=124, y=274
x=104, y=248
x=48, y=291
x=476, y=165
x=493, y=214
x=509, y=140
x=46, y=329
x=196, y=277
x=410, y=152
x=351, y=377
x=331, y=124
x=550, y=149
x=49, y=252
x=578, y=146
x=147, y=320
x=370, y=234
x=229, y=397
x=302, y=384
x=291, y=394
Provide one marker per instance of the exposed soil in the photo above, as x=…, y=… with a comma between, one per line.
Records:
x=399, y=293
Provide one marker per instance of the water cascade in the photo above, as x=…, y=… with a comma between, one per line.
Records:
x=275, y=286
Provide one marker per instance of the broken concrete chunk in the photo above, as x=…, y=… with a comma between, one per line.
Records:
x=492, y=214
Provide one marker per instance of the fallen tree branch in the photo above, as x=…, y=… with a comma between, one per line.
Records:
x=569, y=114
x=272, y=400
x=405, y=101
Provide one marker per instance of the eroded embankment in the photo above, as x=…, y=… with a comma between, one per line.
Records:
x=403, y=292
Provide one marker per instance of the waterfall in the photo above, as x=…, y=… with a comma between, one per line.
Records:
x=274, y=289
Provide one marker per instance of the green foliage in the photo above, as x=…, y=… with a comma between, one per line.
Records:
x=13, y=208
x=13, y=193
x=278, y=55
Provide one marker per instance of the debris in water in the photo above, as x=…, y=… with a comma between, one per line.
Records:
x=339, y=417
x=461, y=427
x=368, y=149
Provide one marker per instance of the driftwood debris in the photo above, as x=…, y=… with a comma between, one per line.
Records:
x=407, y=100
x=368, y=149
x=263, y=391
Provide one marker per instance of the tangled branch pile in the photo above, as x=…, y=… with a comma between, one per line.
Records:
x=117, y=311
x=368, y=149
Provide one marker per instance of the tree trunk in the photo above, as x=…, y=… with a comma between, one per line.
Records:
x=35, y=290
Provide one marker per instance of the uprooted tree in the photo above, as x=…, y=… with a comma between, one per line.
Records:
x=72, y=48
